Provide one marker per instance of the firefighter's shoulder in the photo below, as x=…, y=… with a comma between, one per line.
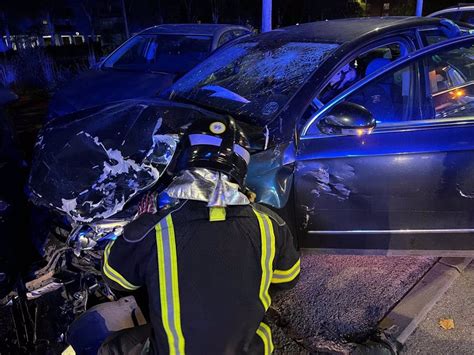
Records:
x=270, y=213
x=144, y=225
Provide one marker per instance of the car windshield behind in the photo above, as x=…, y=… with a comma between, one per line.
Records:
x=160, y=53
x=252, y=79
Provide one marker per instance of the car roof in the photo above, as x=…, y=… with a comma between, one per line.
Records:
x=342, y=30
x=191, y=29
x=457, y=8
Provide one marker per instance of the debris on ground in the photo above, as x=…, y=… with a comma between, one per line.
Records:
x=446, y=323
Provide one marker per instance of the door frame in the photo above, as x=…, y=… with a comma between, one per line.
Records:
x=392, y=242
x=303, y=134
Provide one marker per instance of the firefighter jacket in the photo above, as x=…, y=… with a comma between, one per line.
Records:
x=208, y=273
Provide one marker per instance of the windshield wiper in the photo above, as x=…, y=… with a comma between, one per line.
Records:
x=223, y=93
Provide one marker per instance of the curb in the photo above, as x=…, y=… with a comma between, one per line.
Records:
x=403, y=319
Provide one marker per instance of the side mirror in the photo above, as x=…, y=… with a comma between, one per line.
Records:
x=347, y=118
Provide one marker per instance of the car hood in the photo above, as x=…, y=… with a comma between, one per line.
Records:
x=97, y=87
x=89, y=164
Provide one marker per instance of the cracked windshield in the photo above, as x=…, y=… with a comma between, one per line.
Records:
x=252, y=79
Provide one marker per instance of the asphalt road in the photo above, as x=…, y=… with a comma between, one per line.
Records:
x=340, y=300
x=457, y=304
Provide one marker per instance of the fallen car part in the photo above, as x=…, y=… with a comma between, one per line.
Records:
x=90, y=329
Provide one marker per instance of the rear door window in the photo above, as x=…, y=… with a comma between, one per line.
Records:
x=467, y=17
x=435, y=87
x=226, y=37
x=451, y=81
x=429, y=37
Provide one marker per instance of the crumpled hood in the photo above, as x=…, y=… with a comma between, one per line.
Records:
x=98, y=87
x=91, y=163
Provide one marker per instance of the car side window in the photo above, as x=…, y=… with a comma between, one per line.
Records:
x=467, y=17
x=361, y=66
x=398, y=96
x=451, y=82
x=429, y=37
x=226, y=37
x=394, y=97
x=436, y=86
x=238, y=33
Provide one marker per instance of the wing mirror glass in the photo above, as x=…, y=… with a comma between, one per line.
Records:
x=347, y=118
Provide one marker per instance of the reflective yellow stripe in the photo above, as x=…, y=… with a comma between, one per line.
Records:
x=265, y=333
x=174, y=275
x=282, y=276
x=268, y=254
x=68, y=351
x=112, y=274
x=217, y=214
x=169, y=287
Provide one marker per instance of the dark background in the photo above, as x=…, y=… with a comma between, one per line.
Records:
x=21, y=15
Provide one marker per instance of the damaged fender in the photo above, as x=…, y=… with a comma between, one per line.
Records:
x=270, y=174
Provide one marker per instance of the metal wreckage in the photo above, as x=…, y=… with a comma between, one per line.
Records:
x=94, y=171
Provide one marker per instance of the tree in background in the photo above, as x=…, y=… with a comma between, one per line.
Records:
x=188, y=8
x=89, y=9
x=403, y=8
x=216, y=9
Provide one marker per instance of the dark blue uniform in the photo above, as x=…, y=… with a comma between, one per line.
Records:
x=208, y=273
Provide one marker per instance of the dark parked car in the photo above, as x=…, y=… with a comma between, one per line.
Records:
x=144, y=65
x=362, y=131
x=462, y=13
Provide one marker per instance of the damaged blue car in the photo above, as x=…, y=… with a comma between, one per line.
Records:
x=361, y=131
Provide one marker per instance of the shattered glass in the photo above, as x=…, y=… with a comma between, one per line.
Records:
x=89, y=165
x=252, y=80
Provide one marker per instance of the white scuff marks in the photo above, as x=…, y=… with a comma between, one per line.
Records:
x=39, y=142
x=120, y=178
x=330, y=181
x=69, y=205
x=469, y=195
x=118, y=165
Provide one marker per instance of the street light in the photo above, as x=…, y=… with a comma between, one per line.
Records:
x=419, y=7
x=266, y=15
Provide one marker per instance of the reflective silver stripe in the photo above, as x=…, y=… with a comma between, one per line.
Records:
x=268, y=254
x=169, y=288
x=204, y=139
x=265, y=333
x=242, y=152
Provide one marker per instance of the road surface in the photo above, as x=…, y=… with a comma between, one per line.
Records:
x=456, y=304
x=340, y=300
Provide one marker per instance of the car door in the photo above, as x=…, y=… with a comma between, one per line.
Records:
x=407, y=187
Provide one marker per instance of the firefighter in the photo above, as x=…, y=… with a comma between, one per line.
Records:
x=210, y=262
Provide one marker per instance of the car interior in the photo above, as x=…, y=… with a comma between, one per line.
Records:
x=361, y=66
